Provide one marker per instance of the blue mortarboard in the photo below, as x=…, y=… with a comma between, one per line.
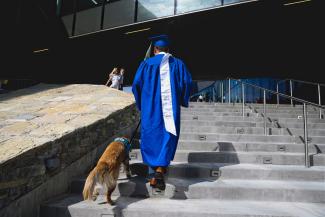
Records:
x=160, y=40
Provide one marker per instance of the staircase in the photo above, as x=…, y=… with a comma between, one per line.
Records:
x=224, y=166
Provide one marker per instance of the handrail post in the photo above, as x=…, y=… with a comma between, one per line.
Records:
x=243, y=98
x=229, y=90
x=307, y=162
x=319, y=102
x=74, y=18
x=135, y=18
x=221, y=92
x=175, y=7
x=291, y=92
x=102, y=15
x=277, y=96
x=264, y=111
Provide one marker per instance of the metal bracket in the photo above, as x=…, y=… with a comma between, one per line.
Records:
x=202, y=137
x=309, y=139
x=241, y=131
x=267, y=160
x=299, y=116
x=215, y=173
x=281, y=148
x=133, y=155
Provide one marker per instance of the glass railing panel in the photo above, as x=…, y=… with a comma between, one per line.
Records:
x=88, y=16
x=184, y=6
x=119, y=13
x=151, y=9
x=227, y=2
x=67, y=14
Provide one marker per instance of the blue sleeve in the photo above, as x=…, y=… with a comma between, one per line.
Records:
x=138, y=83
x=186, y=85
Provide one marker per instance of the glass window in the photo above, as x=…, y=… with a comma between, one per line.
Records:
x=67, y=14
x=119, y=13
x=151, y=9
x=88, y=16
x=192, y=5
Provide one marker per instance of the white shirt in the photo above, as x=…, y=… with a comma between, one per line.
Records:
x=115, y=81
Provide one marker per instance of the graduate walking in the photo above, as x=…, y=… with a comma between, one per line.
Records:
x=161, y=85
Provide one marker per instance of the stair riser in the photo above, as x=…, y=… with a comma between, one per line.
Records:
x=239, y=138
x=271, y=115
x=235, y=158
x=253, y=110
x=185, y=171
x=237, y=193
x=234, y=130
x=221, y=118
x=225, y=123
x=249, y=147
x=300, y=125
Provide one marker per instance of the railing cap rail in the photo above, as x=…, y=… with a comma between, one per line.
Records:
x=300, y=81
x=277, y=93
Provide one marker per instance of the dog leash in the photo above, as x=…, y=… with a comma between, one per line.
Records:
x=133, y=134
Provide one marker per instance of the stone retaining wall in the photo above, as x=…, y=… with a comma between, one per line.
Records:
x=46, y=170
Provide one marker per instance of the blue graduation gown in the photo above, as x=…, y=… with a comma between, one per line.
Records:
x=158, y=146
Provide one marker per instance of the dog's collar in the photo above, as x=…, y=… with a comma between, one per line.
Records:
x=125, y=142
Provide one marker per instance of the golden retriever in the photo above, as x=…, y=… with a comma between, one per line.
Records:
x=107, y=170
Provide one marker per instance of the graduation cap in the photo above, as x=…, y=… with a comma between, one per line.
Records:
x=160, y=40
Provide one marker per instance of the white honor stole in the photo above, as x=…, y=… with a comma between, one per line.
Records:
x=166, y=95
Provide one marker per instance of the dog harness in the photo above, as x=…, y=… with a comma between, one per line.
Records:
x=125, y=142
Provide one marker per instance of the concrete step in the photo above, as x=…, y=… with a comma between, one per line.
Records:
x=217, y=109
x=299, y=125
x=226, y=123
x=226, y=189
x=275, y=158
x=286, y=111
x=239, y=105
x=222, y=118
x=248, y=146
x=250, y=114
x=298, y=120
x=73, y=206
x=233, y=130
x=218, y=114
x=311, y=132
x=137, y=186
x=239, y=138
x=214, y=171
x=263, y=190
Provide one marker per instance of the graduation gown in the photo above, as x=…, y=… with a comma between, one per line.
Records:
x=158, y=146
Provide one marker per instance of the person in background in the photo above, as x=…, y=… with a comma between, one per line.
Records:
x=162, y=85
x=114, y=78
x=122, y=70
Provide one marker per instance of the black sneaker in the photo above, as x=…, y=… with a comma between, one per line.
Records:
x=158, y=181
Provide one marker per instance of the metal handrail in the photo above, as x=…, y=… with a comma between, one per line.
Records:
x=300, y=81
x=304, y=102
x=306, y=82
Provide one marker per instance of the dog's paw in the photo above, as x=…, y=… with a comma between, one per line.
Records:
x=112, y=203
x=128, y=176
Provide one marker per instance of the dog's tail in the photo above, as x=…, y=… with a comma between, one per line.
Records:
x=90, y=185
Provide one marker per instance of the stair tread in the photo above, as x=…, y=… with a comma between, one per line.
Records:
x=242, y=152
x=192, y=207
x=244, y=166
x=248, y=184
